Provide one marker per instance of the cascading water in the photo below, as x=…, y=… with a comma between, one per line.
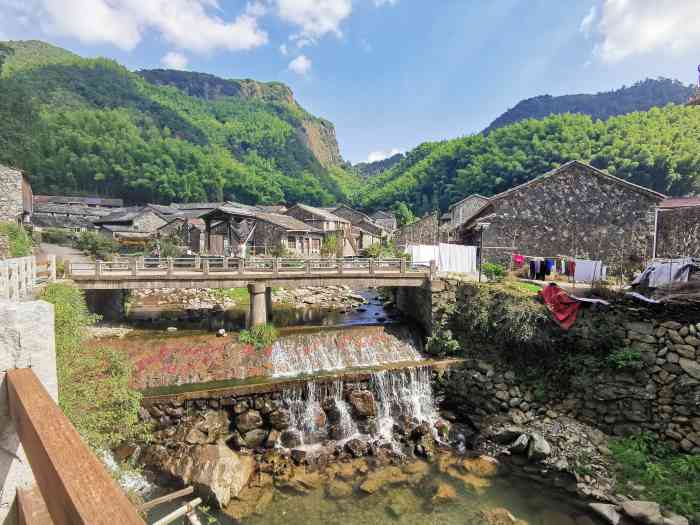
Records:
x=308, y=406
x=403, y=394
x=306, y=354
x=319, y=411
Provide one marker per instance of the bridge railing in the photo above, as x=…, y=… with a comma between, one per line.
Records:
x=186, y=265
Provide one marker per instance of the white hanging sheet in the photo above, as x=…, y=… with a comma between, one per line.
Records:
x=588, y=271
x=449, y=257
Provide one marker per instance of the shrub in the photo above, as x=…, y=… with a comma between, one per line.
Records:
x=58, y=236
x=329, y=246
x=664, y=476
x=260, y=337
x=96, y=245
x=625, y=358
x=493, y=271
x=94, y=390
x=20, y=242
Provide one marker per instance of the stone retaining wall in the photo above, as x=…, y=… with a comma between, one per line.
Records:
x=660, y=394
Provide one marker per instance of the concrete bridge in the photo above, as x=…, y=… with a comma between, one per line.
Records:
x=258, y=275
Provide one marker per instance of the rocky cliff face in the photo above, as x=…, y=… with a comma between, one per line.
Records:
x=315, y=133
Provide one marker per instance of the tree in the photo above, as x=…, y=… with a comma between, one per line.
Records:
x=403, y=213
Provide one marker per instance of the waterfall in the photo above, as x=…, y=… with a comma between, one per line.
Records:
x=403, y=394
x=319, y=411
x=309, y=353
x=308, y=416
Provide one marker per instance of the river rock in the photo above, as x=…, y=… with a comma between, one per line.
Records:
x=606, y=511
x=362, y=403
x=338, y=489
x=684, y=350
x=219, y=472
x=249, y=420
x=330, y=407
x=519, y=446
x=444, y=492
x=643, y=511
x=279, y=419
x=508, y=434
x=500, y=516
x=357, y=447
x=539, y=448
x=290, y=438
x=255, y=438
x=692, y=368
x=381, y=477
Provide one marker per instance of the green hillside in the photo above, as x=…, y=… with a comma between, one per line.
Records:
x=659, y=148
x=91, y=126
x=640, y=96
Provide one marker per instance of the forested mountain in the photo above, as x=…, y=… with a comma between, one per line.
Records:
x=659, y=148
x=80, y=125
x=369, y=169
x=641, y=96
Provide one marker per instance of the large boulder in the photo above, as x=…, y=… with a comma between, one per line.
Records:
x=248, y=421
x=362, y=403
x=255, y=438
x=279, y=419
x=216, y=471
x=643, y=511
x=538, y=448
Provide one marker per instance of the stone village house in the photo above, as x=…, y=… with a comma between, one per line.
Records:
x=240, y=230
x=16, y=198
x=678, y=228
x=574, y=210
x=330, y=224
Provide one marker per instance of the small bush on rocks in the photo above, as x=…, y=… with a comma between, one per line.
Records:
x=493, y=271
x=260, y=337
x=625, y=358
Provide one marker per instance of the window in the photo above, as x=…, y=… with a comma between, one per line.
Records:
x=315, y=245
x=292, y=243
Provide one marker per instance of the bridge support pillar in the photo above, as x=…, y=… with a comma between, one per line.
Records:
x=258, y=306
x=268, y=302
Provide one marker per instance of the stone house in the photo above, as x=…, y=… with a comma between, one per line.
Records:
x=90, y=202
x=329, y=223
x=240, y=230
x=365, y=232
x=678, y=228
x=67, y=216
x=385, y=219
x=16, y=198
x=574, y=210
x=424, y=231
x=136, y=224
x=460, y=211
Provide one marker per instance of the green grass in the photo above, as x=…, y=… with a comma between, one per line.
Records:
x=239, y=295
x=262, y=336
x=527, y=287
x=19, y=241
x=667, y=477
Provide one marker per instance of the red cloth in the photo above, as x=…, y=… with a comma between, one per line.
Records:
x=564, y=308
x=518, y=259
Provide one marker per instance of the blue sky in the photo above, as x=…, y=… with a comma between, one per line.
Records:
x=389, y=74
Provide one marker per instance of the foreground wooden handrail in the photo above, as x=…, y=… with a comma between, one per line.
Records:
x=75, y=485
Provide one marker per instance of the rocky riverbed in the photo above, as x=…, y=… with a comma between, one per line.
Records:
x=327, y=297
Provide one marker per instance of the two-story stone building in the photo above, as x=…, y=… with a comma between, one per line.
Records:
x=575, y=210
x=678, y=228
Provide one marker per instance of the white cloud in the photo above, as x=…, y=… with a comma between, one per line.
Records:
x=186, y=24
x=315, y=18
x=629, y=28
x=380, y=3
x=375, y=156
x=587, y=22
x=283, y=49
x=174, y=60
x=301, y=65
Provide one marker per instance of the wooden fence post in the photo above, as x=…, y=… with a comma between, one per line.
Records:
x=276, y=266
x=340, y=265
x=241, y=265
x=134, y=265
x=171, y=265
x=205, y=267
x=402, y=265
x=307, y=266
x=371, y=266
x=52, y=267
x=224, y=264
x=98, y=269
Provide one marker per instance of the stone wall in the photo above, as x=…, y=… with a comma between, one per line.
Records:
x=423, y=231
x=26, y=340
x=577, y=212
x=678, y=232
x=11, y=203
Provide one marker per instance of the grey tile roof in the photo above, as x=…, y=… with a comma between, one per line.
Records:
x=320, y=212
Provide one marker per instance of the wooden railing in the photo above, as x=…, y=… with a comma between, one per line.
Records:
x=75, y=486
x=184, y=266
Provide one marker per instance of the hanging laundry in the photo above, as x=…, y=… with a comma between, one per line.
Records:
x=563, y=307
x=549, y=264
x=587, y=271
x=518, y=260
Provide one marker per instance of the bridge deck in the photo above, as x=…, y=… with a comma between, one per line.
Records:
x=221, y=272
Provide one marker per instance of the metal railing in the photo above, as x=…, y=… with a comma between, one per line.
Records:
x=195, y=264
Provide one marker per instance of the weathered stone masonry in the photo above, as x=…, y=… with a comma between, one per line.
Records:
x=577, y=211
x=11, y=195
